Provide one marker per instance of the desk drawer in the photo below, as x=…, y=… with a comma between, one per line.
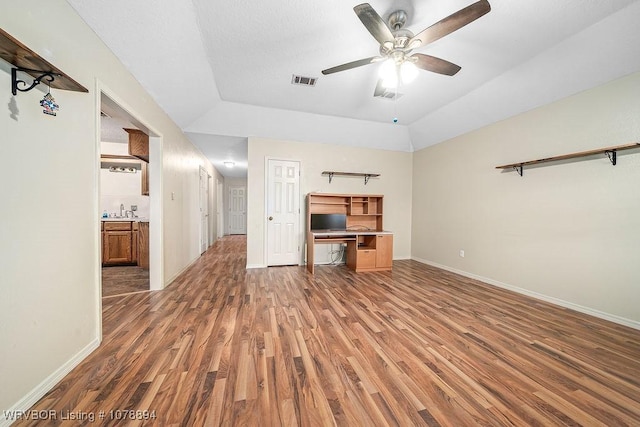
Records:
x=365, y=258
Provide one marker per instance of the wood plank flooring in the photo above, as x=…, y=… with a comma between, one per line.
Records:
x=417, y=346
x=120, y=280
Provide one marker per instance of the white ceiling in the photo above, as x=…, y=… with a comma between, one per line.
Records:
x=222, y=69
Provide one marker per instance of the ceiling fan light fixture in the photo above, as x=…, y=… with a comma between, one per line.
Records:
x=390, y=82
x=388, y=70
x=408, y=72
x=229, y=164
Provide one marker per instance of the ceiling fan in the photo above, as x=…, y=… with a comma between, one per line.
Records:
x=397, y=42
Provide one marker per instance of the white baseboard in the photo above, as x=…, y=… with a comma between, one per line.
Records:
x=250, y=266
x=43, y=388
x=562, y=303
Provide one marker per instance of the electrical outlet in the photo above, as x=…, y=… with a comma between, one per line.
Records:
x=173, y=195
x=461, y=253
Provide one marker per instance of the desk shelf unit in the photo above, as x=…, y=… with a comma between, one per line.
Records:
x=369, y=248
x=364, y=212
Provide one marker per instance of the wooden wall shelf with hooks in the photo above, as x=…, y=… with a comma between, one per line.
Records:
x=610, y=152
x=26, y=60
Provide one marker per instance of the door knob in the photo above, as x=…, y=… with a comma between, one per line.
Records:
x=270, y=218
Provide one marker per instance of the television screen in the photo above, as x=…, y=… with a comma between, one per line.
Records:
x=336, y=222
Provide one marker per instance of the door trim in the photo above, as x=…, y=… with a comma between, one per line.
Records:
x=265, y=237
x=156, y=221
x=204, y=231
x=219, y=209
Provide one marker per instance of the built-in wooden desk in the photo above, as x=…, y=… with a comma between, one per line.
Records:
x=366, y=250
x=369, y=248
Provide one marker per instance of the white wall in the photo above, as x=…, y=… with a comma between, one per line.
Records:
x=49, y=224
x=567, y=232
x=118, y=188
x=394, y=183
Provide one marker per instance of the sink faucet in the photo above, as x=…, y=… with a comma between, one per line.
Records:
x=121, y=209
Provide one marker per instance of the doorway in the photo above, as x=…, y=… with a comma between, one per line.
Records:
x=219, y=211
x=283, y=212
x=204, y=210
x=138, y=207
x=237, y=210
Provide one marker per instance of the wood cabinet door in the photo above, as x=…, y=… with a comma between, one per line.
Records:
x=143, y=245
x=138, y=144
x=384, y=250
x=117, y=247
x=366, y=259
x=144, y=176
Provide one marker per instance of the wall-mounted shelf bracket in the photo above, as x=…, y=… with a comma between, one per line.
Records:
x=28, y=61
x=49, y=76
x=330, y=176
x=366, y=176
x=610, y=152
x=612, y=155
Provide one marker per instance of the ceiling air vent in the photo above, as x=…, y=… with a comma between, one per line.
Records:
x=383, y=92
x=304, y=81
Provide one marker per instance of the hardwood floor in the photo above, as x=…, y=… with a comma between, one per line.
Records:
x=119, y=280
x=417, y=346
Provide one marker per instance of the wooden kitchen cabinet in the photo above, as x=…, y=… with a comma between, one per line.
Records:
x=143, y=245
x=134, y=242
x=144, y=171
x=125, y=243
x=138, y=144
x=117, y=243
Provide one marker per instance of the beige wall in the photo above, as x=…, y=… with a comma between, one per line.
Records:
x=49, y=221
x=394, y=183
x=568, y=232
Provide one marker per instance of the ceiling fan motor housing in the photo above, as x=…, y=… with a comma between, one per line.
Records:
x=397, y=19
x=398, y=48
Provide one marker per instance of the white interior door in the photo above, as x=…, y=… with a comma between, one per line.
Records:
x=283, y=212
x=237, y=210
x=204, y=210
x=219, y=211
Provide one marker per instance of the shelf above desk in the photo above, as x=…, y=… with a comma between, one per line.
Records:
x=366, y=176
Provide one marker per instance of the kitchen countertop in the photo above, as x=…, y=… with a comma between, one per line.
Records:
x=136, y=219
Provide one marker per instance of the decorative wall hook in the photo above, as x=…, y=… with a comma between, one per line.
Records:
x=48, y=75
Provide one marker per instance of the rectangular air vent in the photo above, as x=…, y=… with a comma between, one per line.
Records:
x=383, y=92
x=388, y=95
x=304, y=81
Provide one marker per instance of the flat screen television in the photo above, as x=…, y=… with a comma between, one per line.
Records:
x=337, y=222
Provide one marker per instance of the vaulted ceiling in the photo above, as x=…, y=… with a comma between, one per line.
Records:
x=223, y=69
